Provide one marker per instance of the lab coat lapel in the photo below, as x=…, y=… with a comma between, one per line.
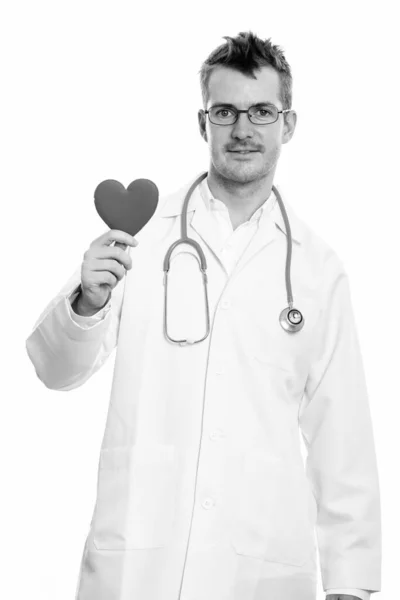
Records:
x=204, y=225
x=199, y=220
x=271, y=228
x=266, y=234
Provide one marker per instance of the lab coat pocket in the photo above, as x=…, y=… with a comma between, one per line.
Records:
x=135, y=497
x=286, y=373
x=273, y=511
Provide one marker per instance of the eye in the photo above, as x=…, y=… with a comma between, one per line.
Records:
x=223, y=112
x=264, y=111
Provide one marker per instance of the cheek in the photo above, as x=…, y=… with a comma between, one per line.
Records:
x=274, y=151
x=217, y=141
x=272, y=145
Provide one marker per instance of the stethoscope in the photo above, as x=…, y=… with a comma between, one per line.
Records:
x=290, y=318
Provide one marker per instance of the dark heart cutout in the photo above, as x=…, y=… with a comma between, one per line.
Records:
x=126, y=209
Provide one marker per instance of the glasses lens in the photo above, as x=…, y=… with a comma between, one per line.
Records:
x=260, y=114
x=222, y=115
x=263, y=114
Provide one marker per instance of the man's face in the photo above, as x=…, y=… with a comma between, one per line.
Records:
x=229, y=86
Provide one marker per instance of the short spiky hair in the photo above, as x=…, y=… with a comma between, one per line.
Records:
x=246, y=52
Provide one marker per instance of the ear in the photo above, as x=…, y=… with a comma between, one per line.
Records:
x=289, y=126
x=202, y=124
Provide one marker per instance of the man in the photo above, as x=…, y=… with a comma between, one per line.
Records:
x=202, y=494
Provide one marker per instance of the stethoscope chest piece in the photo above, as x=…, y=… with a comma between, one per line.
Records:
x=291, y=319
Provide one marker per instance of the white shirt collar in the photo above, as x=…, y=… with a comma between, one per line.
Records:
x=213, y=204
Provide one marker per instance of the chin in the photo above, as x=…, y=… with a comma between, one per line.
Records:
x=241, y=173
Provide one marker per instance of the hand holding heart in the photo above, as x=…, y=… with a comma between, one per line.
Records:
x=125, y=212
x=102, y=268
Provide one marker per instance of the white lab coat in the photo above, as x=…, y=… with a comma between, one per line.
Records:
x=202, y=492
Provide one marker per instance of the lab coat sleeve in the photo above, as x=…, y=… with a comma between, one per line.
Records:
x=336, y=426
x=86, y=322
x=67, y=349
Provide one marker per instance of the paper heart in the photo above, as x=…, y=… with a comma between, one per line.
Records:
x=126, y=209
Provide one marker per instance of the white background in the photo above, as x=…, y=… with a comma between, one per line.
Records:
x=110, y=90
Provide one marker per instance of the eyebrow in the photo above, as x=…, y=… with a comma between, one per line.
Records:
x=233, y=106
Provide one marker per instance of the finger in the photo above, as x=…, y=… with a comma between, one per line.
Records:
x=118, y=236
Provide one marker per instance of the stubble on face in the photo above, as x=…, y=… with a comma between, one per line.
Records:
x=225, y=166
x=231, y=86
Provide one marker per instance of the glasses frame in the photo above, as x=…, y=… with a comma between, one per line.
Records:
x=238, y=111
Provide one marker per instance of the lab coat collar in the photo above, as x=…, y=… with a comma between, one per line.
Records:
x=173, y=204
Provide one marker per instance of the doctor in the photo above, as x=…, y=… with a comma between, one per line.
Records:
x=202, y=492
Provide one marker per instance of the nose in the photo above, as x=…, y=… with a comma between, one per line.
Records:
x=243, y=127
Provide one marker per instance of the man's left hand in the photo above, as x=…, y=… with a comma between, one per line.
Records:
x=341, y=597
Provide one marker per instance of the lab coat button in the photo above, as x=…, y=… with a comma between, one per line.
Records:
x=225, y=304
x=208, y=503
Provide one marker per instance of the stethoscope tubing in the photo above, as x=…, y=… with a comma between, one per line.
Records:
x=290, y=318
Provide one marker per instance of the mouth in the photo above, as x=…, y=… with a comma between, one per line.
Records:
x=243, y=151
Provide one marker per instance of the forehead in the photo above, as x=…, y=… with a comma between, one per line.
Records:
x=232, y=86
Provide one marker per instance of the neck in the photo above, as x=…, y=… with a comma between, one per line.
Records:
x=242, y=199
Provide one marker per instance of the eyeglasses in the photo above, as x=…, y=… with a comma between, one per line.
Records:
x=259, y=114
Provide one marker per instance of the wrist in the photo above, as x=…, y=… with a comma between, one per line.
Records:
x=80, y=307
